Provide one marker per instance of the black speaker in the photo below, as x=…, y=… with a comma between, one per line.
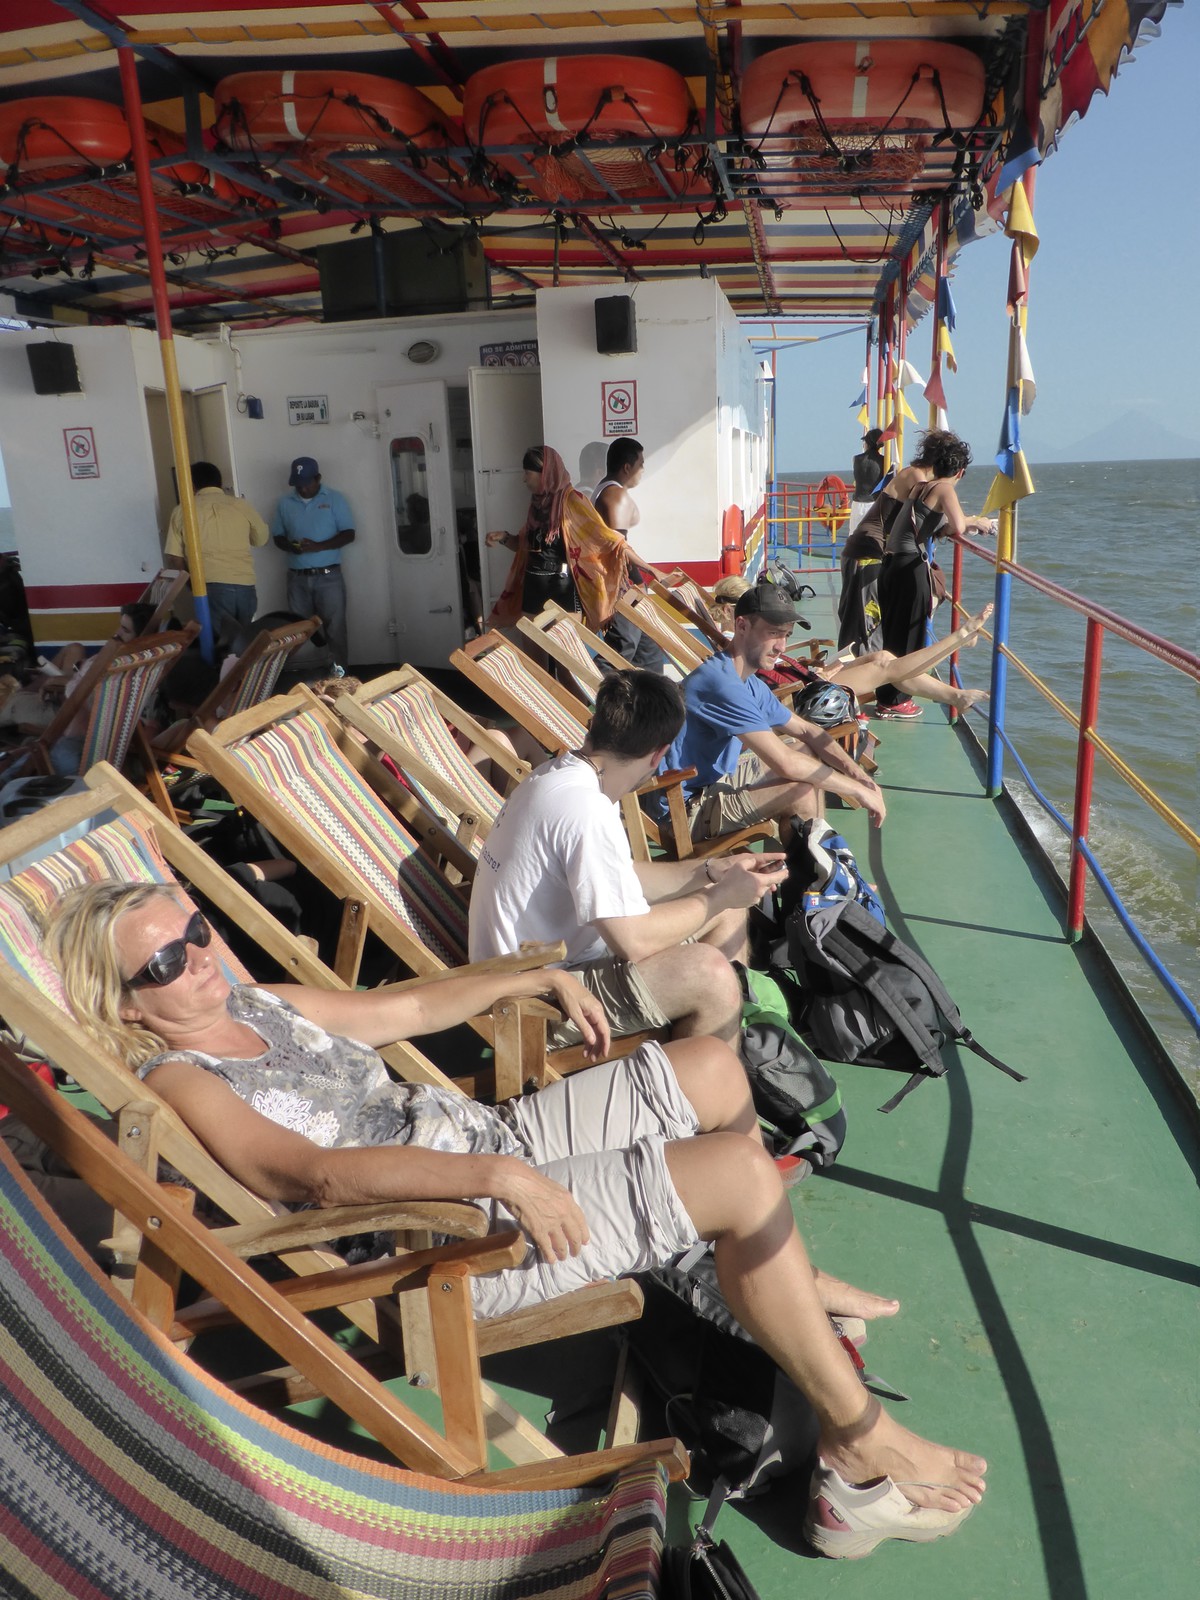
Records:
x=402, y=274
x=52, y=368
x=616, y=328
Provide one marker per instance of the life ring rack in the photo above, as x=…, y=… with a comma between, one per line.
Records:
x=299, y=117
x=859, y=106
x=85, y=145
x=556, y=104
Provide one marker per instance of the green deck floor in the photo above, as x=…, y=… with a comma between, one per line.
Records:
x=1042, y=1236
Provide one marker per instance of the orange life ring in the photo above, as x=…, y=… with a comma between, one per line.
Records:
x=900, y=82
x=58, y=130
x=314, y=111
x=733, y=542
x=860, y=107
x=554, y=100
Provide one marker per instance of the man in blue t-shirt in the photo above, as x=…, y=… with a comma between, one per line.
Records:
x=313, y=524
x=754, y=758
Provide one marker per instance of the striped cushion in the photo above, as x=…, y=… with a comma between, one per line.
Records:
x=508, y=668
x=127, y=1473
x=583, y=669
x=117, y=705
x=411, y=715
x=299, y=765
x=118, y=852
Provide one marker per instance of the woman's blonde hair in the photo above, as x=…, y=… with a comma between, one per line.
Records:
x=728, y=591
x=79, y=940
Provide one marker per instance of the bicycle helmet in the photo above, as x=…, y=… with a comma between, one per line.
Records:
x=826, y=704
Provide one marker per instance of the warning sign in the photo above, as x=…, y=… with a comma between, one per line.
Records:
x=618, y=403
x=82, y=461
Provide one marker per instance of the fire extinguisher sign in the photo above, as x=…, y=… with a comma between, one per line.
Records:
x=618, y=404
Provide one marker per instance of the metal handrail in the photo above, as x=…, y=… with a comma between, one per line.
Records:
x=1099, y=621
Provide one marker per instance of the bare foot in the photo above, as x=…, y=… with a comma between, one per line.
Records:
x=964, y=699
x=925, y=1473
x=973, y=626
x=840, y=1299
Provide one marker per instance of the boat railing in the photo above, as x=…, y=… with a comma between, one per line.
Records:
x=806, y=516
x=1099, y=623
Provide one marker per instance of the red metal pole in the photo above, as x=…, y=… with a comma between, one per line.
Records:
x=1085, y=762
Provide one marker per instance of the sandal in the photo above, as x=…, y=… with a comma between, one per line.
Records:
x=846, y=1521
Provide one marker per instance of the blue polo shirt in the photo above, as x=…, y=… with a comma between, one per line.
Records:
x=327, y=513
x=721, y=706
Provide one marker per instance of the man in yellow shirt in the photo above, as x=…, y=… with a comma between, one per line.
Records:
x=228, y=527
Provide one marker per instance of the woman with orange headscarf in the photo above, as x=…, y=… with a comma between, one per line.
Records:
x=565, y=551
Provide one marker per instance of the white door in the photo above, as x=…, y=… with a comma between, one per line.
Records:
x=506, y=419
x=422, y=544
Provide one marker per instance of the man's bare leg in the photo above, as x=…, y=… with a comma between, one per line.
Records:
x=694, y=985
x=734, y=1196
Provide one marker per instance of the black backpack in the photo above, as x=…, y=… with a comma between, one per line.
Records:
x=793, y=1092
x=872, y=999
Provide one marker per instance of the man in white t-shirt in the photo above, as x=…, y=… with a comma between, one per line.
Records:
x=652, y=940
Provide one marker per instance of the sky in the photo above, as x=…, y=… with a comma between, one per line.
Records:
x=1110, y=315
x=1110, y=323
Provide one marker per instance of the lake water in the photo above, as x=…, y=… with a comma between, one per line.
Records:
x=1127, y=536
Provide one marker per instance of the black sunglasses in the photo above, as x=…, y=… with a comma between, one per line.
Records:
x=167, y=964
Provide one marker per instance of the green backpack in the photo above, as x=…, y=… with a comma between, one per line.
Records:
x=793, y=1092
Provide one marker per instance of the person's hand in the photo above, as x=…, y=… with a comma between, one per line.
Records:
x=986, y=525
x=580, y=1006
x=307, y=546
x=873, y=802
x=494, y=537
x=546, y=1211
x=747, y=878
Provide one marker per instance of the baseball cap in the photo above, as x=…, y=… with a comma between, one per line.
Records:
x=768, y=601
x=303, y=468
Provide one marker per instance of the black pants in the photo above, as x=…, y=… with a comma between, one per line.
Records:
x=638, y=648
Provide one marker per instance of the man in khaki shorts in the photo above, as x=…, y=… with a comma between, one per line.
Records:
x=755, y=760
x=652, y=940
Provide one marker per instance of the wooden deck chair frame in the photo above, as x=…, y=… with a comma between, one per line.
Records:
x=152, y=1131
x=642, y=831
x=517, y=1028
x=662, y=623
x=276, y=1313
x=678, y=594
x=114, y=660
x=545, y=632
x=163, y=590
x=360, y=710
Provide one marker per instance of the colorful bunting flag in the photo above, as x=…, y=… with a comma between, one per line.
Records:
x=864, y=416
x=934, y=392
x=1020, y=224
x=1022, y=154
x=1025, y=374
x=909, y=374
x=947, y=314
x=1006, y=490
x=905, y=409
x=946, y=349
x=861, y=398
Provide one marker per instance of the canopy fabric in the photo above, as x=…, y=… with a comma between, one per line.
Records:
x=818, y=219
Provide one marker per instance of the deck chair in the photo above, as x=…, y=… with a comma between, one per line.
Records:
x=685, y=597
x=665, y=625
x=163, y=590
x=413, y=723
x=118, y=682
x=334, y=807
x=573, y=647
x=559, y=722
x=252, y=678
x=128, y=1471
x=131, y=841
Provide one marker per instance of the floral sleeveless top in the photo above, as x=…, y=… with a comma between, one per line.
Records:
x=338, y=1092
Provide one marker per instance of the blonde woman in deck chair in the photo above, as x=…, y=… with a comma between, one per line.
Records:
x=604, y=1173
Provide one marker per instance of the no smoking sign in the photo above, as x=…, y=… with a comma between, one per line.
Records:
x=82, y=461
x=618, y=404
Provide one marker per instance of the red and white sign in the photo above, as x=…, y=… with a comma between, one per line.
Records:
x=618, y=404
x=82, y=461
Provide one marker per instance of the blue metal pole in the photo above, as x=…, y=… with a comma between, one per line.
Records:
x=995, y=751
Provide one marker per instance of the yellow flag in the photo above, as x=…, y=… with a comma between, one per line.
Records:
x=946, y=348
x=863, y=417
x=1020, y=224
x=905, y=409
x=1007, y=491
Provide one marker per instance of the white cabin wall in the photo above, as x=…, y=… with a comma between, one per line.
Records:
x=676, y=375
x=348, y=362
x=81, y=531
x=743, y=426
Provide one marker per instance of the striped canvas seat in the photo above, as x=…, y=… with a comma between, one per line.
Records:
x=127, y=1473
x=118, y=703
x=508, y=667
x=299, y=763
x=411, y=715
x=122, y=851
x=584, y=671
